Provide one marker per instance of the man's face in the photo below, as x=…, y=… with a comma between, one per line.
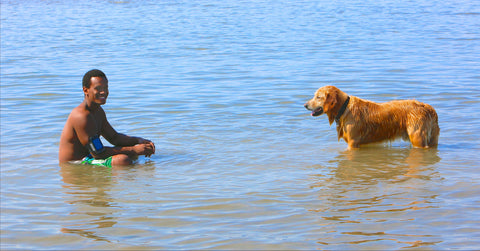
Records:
x=98, y=91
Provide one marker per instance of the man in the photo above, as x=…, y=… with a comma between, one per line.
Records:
x=80, y=142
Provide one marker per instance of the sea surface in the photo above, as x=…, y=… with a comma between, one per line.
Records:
x=219, y=87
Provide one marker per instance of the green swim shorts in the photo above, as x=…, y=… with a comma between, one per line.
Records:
x=97, y=162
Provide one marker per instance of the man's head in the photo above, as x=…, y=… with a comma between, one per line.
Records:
x=87, y=78
x=95, y=87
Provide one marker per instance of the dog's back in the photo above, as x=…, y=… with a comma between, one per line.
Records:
x=408, y=119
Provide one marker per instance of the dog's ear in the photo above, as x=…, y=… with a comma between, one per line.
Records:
x=330, y=104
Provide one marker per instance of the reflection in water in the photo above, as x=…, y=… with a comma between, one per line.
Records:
x=369, y=165
x=371, y=191
x=88, y=189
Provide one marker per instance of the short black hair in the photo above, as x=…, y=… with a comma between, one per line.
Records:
x=90, y=74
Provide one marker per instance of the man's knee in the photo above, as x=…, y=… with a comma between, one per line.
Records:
x=121, y=160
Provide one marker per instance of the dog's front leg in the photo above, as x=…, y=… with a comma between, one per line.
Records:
x=352, y=144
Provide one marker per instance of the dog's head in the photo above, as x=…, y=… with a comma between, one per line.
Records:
x=326, y=100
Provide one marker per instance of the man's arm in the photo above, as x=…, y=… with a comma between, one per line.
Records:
x=86, y=128
x=121, y=141
x=131, y=151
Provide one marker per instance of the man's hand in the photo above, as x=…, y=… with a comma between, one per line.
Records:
x=144, y=147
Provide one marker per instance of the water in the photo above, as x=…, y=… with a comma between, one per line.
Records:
x=219, y=86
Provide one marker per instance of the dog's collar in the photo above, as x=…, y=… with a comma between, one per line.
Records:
x=342, y=109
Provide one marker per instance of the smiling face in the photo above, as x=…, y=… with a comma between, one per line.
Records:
x=97, y=93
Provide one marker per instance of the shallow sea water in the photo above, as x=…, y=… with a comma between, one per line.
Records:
x=219, y=86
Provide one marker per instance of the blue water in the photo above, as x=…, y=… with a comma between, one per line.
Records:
x=219, y=86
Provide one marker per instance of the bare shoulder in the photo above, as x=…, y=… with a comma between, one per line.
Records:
x=78, y=114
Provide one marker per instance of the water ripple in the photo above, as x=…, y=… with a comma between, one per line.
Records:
x=219, y=86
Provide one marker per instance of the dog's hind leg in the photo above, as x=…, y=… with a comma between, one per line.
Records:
x=423, y=136
x=433, y=137
x=418, y=139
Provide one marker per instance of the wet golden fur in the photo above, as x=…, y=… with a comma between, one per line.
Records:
x=366, y=122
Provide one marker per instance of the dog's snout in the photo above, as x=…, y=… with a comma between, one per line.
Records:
x=306, y=105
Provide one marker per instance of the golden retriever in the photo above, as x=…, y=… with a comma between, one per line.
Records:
x=362, y=122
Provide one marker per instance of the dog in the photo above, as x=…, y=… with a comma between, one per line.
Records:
x=361, y=122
